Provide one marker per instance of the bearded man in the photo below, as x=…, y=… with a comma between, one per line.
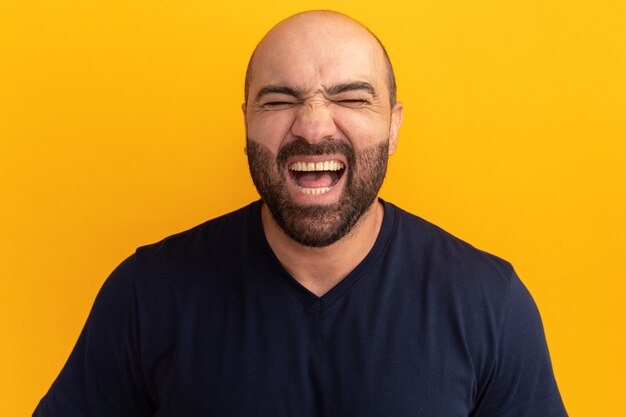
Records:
x=321, y=299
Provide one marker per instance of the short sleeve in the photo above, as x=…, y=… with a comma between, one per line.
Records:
x=103, y=375
x=522, y=382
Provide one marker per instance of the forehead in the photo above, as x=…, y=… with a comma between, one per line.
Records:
x=314, y=53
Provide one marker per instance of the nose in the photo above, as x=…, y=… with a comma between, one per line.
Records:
x=314, y=122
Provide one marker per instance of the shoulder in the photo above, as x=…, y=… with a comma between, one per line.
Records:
x=164, y=280
x=215, y=241
x=198, y=256
x=481, y=297
x=210, y=235
x=467, y=286
x=448, y=260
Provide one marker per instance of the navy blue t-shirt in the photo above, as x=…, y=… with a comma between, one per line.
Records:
x=208, y=323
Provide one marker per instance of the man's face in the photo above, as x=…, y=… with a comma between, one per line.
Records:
x=319, y=127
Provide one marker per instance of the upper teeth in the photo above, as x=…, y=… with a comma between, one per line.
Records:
x=316, y=166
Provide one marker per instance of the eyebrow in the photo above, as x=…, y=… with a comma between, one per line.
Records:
x=278, y=89
x=353, y=86
x=330, y=91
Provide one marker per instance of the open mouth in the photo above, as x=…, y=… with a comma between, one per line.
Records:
x=316, y=177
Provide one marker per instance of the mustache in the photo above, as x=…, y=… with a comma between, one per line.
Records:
x=326, y=146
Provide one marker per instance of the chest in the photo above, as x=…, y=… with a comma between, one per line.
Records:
x=264, y=356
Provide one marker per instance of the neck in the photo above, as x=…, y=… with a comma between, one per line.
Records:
x=320, y=269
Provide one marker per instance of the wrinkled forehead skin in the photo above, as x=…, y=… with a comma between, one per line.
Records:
x=317, y=49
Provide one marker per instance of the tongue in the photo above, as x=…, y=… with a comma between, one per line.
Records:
x=316, y=179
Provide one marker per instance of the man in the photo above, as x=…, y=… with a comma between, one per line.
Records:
x=321, y=300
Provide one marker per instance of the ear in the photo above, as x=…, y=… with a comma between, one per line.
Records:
x=244, y=106
x=245, y=125
x=397, y=115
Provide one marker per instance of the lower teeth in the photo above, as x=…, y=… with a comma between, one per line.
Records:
x=320, y=190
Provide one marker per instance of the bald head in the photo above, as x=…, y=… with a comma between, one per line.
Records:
x=322, y=32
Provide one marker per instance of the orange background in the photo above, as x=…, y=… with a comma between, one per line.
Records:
x=120, y=124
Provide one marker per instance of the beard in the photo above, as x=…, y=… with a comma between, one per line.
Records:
x=324, y=224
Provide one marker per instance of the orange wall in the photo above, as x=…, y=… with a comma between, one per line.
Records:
x=120, y=124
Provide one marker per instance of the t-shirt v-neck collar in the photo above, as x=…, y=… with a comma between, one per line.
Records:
x=311, y=300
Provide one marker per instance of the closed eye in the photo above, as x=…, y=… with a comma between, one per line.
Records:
x=352, y=103
x=355, y=100
x=278, y=105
